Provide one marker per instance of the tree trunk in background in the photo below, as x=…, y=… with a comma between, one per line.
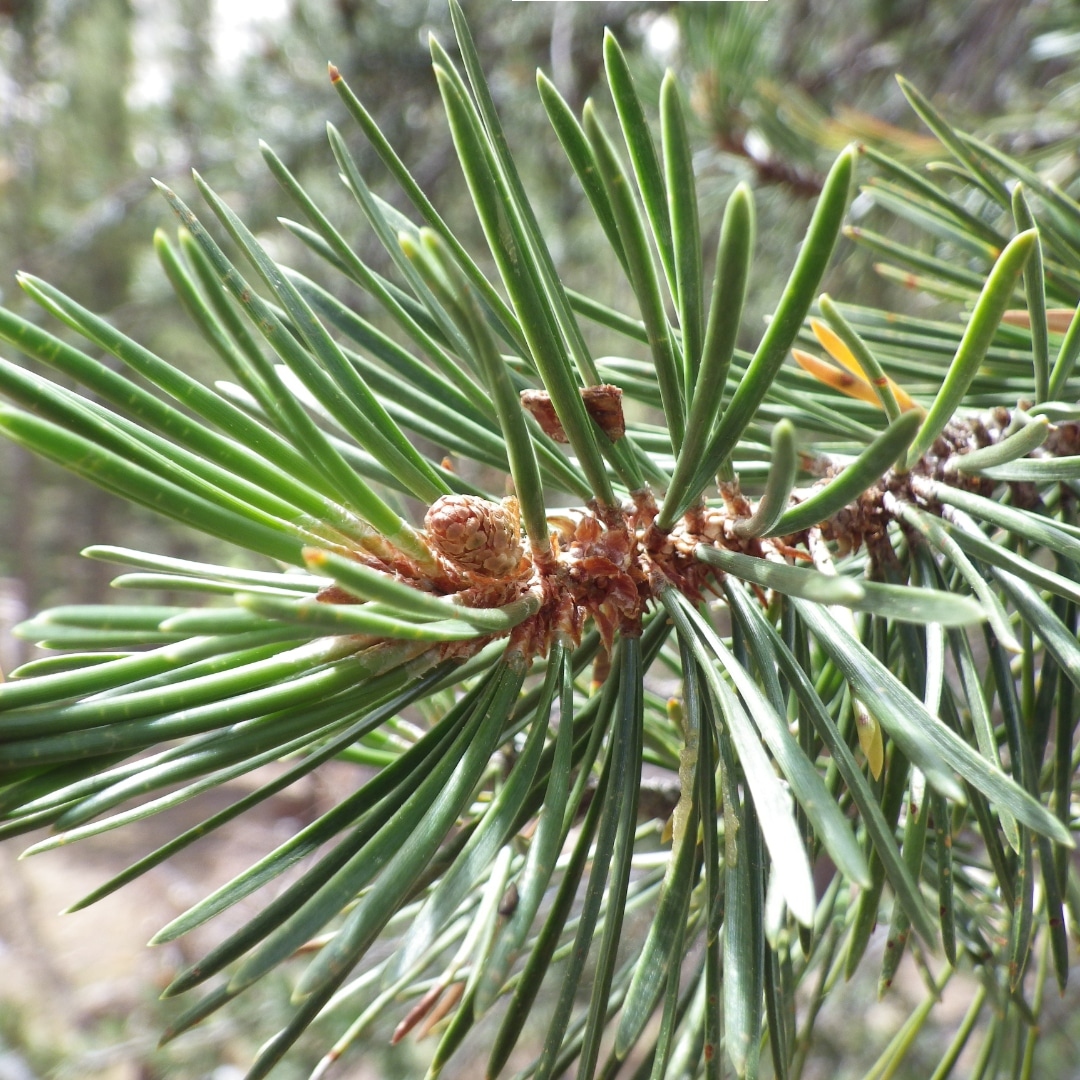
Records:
x=72, y=150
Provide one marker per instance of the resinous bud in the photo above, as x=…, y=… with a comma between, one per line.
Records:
x=477, y=536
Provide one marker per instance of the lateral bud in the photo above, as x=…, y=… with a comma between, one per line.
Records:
x=477, y=536
x=602, y=402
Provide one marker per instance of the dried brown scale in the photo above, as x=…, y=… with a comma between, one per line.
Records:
x=379, y=554
x=735, y=501
x=1024, y=496
x=883, y=558
x=1062, y=441
x=957, y=439
x=861, y=522
x=538, y=404
x=604, y=404
x=402, y=569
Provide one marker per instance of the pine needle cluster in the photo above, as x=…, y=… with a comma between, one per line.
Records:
x=833, y=601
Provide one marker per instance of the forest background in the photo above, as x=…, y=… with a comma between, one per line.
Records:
x=98, y=95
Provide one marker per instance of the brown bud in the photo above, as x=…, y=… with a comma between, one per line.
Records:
x=508, y=904
x=603, y=403
x=477, y=536
x=538, y=403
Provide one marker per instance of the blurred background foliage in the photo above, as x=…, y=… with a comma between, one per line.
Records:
x=97, y=95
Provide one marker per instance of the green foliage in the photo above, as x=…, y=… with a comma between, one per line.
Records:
x=504, y=844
